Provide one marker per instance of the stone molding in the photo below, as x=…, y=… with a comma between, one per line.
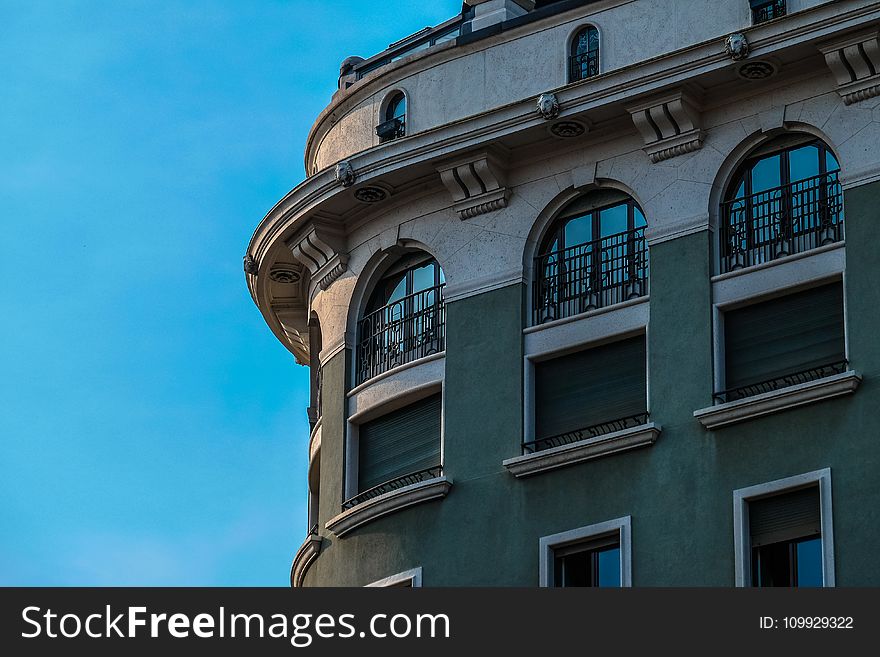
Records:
x=314, y=473
x=855, y=63
x=321, y=249
x=423, y=491
x=304, y=558
x=721, y=415
x=670, y=125
x=477, y=182
x=582, y=450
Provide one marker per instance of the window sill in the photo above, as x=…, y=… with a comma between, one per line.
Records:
x=721, y=415
x=389, y=502
x=583, y=450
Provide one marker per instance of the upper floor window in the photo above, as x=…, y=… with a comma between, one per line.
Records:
x=766, y=10
x=594, y=255
x=394, y=119
x=405, y=318
x=785, y=199
x=583, y=60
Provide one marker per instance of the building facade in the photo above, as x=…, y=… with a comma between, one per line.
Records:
x=585, y=289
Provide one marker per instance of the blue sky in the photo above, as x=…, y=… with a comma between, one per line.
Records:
x=152, y=430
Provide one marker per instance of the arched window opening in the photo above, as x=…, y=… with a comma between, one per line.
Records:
x=785, y=199
x=594, y=255
x=583, y=61
x=394, y=123
x=405, y=317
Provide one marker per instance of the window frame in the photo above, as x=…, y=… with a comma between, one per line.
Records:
x=547, y=544
x=571, y=52
x=742, y=530
x=413, y=576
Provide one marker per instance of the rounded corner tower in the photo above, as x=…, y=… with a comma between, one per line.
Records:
x=578, y=305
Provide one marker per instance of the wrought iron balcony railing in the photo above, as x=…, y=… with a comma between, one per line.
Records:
x=805, y=376
x=782, y=221
x=584, y=434
x=403, y=331
x=394, y=484
x=583, y=66
x=391, y=129
x=768, y=11
x=590, y=276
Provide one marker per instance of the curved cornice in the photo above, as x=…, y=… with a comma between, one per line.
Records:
x=304, y=558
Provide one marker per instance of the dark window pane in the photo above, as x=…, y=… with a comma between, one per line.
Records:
x=574, y=570
x=766, y=174
x=771, y=565
x=809, y=562
x=609, y=567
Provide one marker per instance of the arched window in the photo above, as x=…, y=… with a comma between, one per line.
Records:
x=394, y=120
x=593, y=255
x=785, y=199
x=405, y=317
x=583, y=60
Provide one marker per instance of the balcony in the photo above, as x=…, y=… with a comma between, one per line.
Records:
x=391, y=129
x=583, y=66
x=589, y=276
x=595, y=431
x=779, y=383
x=781, y=222
x=393, y=485
x=403, y=331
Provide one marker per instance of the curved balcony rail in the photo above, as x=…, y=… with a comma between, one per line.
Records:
x=394, y=484
x=628, y=422
x=391, y=129
x=590, y=276
x=805, y=376
x=583, y=66
x=782, y=221
x=401, y=332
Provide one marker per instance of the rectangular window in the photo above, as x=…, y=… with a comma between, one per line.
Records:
x=399, y=444
x=602, y=388
x=783, y=532
x=784, y=341
x=786, y=539
x=766, y=10
x=597, y=555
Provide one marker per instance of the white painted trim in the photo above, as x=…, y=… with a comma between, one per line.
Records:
x=741, y=544
x=623, y=526
x=816, y=266
x=413, y=576
x=397, y=382
x=583, y=450
x=390, y=502
x=721, y=415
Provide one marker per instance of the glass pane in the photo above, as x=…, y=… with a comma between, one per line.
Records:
x=638, y=218
x=765, y=174
x=831, y=163
x=423, y=277
x=579, y=230
x=771, y=565
x=587, y=40
x=803, y=163
x=573, y=569
x=609, y=568
x=399, y=290
x=613, y=220
x=809, y=563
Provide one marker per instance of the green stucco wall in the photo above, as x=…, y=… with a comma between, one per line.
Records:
x=679, y=492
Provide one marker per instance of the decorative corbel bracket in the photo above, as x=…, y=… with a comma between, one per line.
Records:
x=321, y=250
x=477, y=182
x=670, y=125
x=855, y=63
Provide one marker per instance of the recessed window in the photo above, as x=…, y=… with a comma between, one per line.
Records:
x=405, y=318
x=394, y=120
x=589, y=393
x=583, y=60
x=783, y=341
x=786, y=199
x=783, y=532
x=594, y=255
x=766, y=10
x=594, y=556
x=398, y=449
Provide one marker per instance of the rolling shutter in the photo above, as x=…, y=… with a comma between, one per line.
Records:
x=399, y=443
x=590, y=387
x=784, y=336
x=785, y=517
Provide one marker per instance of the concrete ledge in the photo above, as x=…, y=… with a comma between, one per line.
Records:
x=775, y=401
x=583, y=450
x=389, y=502
x=306, y=554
